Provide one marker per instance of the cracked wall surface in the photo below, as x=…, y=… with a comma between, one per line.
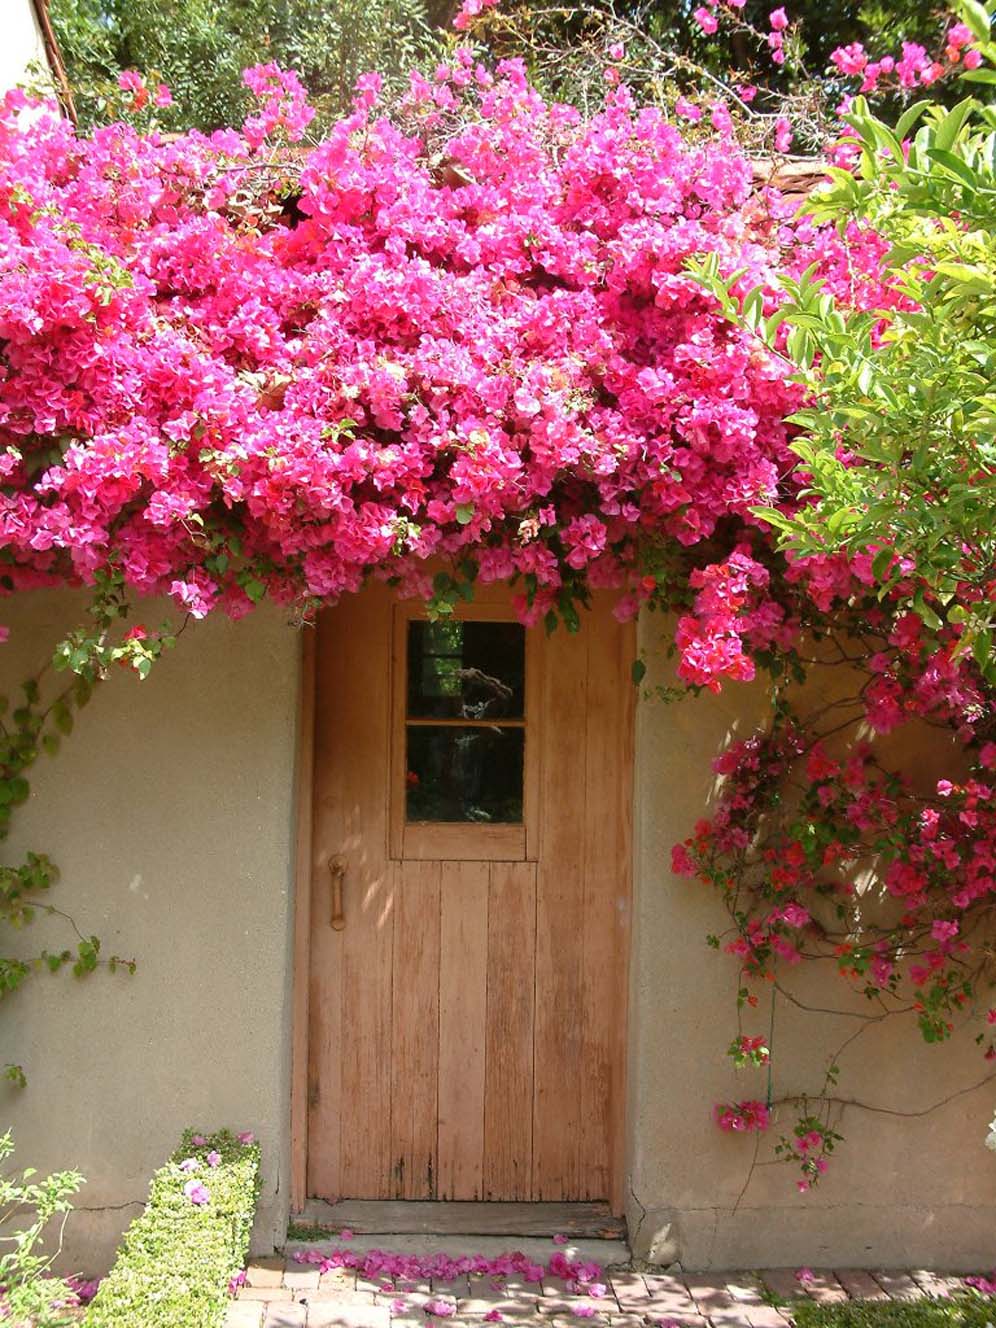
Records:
x=914, y=1190
x=170, y=813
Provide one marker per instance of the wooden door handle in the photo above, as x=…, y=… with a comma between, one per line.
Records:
x=337, y=870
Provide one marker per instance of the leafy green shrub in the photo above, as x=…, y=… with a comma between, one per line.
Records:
x=200, y=48
x=177, y=1259
x=959, y=1312
x=29, y=1294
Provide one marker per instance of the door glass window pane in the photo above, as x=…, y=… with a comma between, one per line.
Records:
x=464, y=774
x=466, y=670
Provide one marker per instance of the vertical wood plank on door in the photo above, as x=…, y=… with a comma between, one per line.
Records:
x=605, y=913
x=559, y=920
x=463, y=988
x=415, y=1041
x=325, y=977
x=508, y=1125
x=353, y=967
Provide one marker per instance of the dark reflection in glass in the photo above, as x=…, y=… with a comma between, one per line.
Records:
x=466, y=670
x=464, y=774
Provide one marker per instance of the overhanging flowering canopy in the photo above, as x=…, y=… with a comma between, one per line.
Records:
x=465, y=331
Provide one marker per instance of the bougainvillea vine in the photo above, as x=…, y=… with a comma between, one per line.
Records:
x=462, y=342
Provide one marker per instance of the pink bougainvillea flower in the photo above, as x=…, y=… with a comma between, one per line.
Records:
x=213, y=1158
x=190, y=1164
x=440, y=1309
x=494, y=1316
x=687, y=110
x=84, y=1289
x=560, y=1238
x=197, y=1193
x=246, y=1137
x=741, y=1117
x=805, y=1275
x=198, y=1140
x=346, y=1234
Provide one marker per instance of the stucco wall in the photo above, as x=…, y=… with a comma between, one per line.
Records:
x=22, y=42
x=916, y=1191
x=170, y=812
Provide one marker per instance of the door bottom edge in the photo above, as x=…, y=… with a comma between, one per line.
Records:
x=582, y=1220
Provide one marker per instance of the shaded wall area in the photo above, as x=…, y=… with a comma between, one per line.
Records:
x=170, y=813
x=916, y=1189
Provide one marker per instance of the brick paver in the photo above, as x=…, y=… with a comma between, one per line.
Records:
x=860, y=1285
x=288, y=1294
x=898, y=1285
x=825, y=1289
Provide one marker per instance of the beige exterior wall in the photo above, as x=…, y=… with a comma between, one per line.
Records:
x=22, y=42
x=919, y=1190
x=170, y=812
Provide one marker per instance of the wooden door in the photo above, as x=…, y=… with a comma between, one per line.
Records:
x=467, y=1021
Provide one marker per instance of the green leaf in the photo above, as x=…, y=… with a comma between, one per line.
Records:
x=975, y=16
x=638, y=671
x=950, y=127
x=954, y=165
x=62, y=717
x=464, y=513
x=882, y=562
x=979, y=76
x=774, y=517
x=753, y=307
x=981, y=650
x=909, y=118
x=926, y=612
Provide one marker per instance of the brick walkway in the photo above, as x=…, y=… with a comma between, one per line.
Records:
x=287, y=1294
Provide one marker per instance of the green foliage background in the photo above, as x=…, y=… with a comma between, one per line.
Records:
x=200, y=47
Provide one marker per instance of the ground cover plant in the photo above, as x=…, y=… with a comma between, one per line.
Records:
x=958, y=1312
x=178, y=1259
x=31, y=1206
x=478, y=336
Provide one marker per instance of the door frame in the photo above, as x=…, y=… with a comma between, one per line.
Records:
x=304, y=867
x=304, y=790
